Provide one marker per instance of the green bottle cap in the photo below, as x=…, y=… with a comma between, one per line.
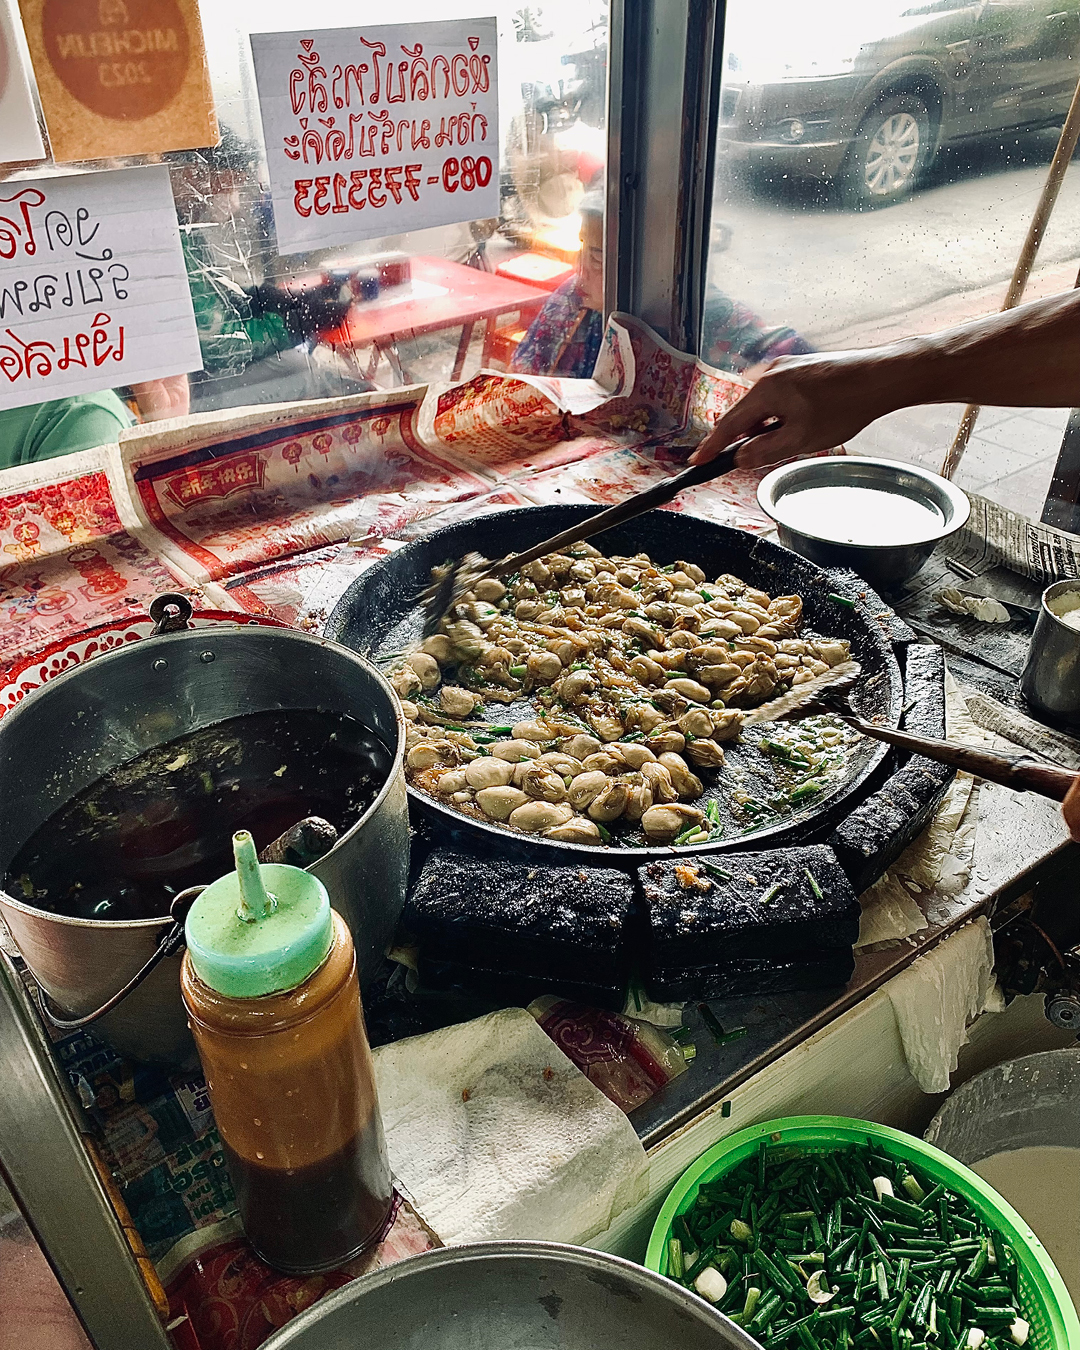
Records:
x=262, y=929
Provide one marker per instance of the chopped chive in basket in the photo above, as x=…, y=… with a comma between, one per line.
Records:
x=845, y=1249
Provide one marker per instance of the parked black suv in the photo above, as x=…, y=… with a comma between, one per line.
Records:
x=864, y=93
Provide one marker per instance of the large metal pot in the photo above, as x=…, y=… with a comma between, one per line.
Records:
x=497, y=1295
x=67, y=734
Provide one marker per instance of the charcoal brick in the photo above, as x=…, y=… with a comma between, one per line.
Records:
x=874, y=835
x=730, y=921
x=548, y=923
x=924, y=690
x=508, y=988
x=727, y=941
x=814, y=969
x=877, y=831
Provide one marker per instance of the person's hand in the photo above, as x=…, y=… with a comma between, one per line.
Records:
x=159, y=399
x=804, y=404
x=1070, y=809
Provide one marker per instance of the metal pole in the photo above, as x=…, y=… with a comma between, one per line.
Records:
x=1070, y=133
x=664, y=83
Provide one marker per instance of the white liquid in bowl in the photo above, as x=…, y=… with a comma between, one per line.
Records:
x=859, y=515
x=1066, y=607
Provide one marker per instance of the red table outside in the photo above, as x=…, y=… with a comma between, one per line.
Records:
x=466, y=297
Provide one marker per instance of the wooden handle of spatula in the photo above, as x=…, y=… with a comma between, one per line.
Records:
x=1023, y=773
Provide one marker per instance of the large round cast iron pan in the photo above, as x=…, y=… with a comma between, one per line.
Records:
x=379, y=614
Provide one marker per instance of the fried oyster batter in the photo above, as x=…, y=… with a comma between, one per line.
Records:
x=639, y=674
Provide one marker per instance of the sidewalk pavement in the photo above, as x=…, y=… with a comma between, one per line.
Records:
x=1012, y=454
x=1009, y=459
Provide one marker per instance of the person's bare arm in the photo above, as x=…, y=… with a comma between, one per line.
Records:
x=1025, y=357
x=1070, y=808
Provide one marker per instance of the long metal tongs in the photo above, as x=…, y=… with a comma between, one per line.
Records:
x=462, y=576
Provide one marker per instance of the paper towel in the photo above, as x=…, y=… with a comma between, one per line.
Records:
x=938, y=995
x=495, y=1134
x=888, y=912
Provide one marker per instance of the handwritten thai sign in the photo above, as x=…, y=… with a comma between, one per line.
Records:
x=375, y=131
x=93, y=289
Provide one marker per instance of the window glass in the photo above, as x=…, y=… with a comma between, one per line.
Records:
x=878, y=165
x=353, y=318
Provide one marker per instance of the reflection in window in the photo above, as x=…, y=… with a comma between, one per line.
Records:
x=430, y=304
x=878, y=164
x=564, y=338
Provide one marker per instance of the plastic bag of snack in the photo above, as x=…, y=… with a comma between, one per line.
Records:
x=629, y=1061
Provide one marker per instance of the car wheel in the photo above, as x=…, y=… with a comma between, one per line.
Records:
x=888, y=154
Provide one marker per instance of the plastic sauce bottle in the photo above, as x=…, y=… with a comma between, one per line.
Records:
x=269, y=981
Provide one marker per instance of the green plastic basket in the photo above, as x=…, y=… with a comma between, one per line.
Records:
x=1048, y=1307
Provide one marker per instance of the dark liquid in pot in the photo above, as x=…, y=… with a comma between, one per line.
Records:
x=161, y=822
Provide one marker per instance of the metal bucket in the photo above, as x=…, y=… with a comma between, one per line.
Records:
x=1051, y=678
x=1023, y=1103
x=69, y=733
x=1028, y=1103
x=497, y=1295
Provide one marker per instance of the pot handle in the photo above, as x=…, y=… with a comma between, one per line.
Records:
x=171, y=943
x=170, y=612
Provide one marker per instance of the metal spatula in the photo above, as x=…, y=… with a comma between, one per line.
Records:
x=459, y=577
x=1023, y=773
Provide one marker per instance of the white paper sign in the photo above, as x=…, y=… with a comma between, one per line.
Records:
x=93, y=288
x=20, y=139
x=376, y=131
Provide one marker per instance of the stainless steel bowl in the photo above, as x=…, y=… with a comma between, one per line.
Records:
x=883, y=565
x=525, y=1295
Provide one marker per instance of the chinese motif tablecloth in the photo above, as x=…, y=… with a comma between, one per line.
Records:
x=274, y=510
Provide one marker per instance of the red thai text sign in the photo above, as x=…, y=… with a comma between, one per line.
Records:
x=375, y=131
x=93, y=289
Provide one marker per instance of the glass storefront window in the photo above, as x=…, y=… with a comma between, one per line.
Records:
x=552, y=85
x=878, y=165
x=428, y=304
